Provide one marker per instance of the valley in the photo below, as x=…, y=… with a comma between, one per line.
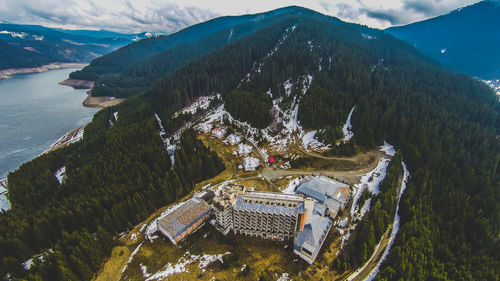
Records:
x=364, y=157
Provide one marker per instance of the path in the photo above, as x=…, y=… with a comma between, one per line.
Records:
x=363, y=272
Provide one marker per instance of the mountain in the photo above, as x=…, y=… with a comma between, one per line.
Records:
x=133, y=68
x=302, y=74
x=37, y=45
x=12, y=56
x=465, y=40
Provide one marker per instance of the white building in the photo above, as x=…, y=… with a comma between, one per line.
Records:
x=244, y=149
x=250, y=164
x=233, y=139
x=204, y=128
x=219, y=132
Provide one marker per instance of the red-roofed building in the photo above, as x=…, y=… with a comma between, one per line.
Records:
x=271, y=160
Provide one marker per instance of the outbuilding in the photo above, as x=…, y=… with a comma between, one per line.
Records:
x=219, y=132
x=184, y=220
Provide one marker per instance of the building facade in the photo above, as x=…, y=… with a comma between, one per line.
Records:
x=274, y=216
x=268, y=215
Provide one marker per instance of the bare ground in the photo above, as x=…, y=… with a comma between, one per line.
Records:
x=101, y=102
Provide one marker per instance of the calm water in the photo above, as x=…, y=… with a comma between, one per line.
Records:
x=35, y=111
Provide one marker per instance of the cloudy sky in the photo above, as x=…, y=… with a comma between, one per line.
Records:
x=171, y=15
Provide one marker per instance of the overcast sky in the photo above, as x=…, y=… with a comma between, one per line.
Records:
x=171, y=15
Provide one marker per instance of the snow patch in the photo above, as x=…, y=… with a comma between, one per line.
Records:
x=4, y=202
x=14, y=34
x=40, y=257
x=27, y=264
x=180, y=267
x=310, y=142
x=66, y=140
x=257, y=67
x=288, y=87
x=495, y=85
x=395, y=225
x=387, y=149
x=347, y=128
x=284, y=277
x=144, y=270
x=310, y=44
x=369, y=37
x=202, y=103
x=343, y=223
x=365, y=208
x=292, y=185
x=369, y=181
x=60, y=174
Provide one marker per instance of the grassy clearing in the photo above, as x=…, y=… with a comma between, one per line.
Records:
x=257, y=184
x=111, y=270
x=265, y=258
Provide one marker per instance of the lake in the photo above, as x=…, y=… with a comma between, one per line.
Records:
x=35, y=111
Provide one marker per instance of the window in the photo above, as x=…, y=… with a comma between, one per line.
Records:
x=306, y=251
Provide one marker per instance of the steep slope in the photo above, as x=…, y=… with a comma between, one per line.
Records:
x=12, y=56
x=133, y=68
x=58, y=45
x=465, y=39
x=312, y=70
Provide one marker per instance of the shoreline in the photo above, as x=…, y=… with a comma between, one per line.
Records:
x=77, y=84
x=8, y=73
x=67, y=139
x=100, y=102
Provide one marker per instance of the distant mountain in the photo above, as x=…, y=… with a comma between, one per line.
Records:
x=37, y=45
x=133, y=68
x=465, y=39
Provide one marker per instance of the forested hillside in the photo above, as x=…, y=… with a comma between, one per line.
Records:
x=115, y=179
x=13, y=56
x=34, y=45
x=444, y=124
x=465, y=40
x=135, y=67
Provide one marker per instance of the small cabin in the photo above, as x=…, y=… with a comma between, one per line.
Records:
x=218, y=132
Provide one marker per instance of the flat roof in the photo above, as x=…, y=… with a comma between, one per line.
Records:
x=267, y=208
x=273, y=195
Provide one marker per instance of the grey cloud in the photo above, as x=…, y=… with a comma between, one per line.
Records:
x=392, y=16
x=421, y=6
x=347, y=11
x=167, y=17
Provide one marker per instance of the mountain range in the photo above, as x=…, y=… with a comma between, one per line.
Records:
x=33, y=45
x=465, y=39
